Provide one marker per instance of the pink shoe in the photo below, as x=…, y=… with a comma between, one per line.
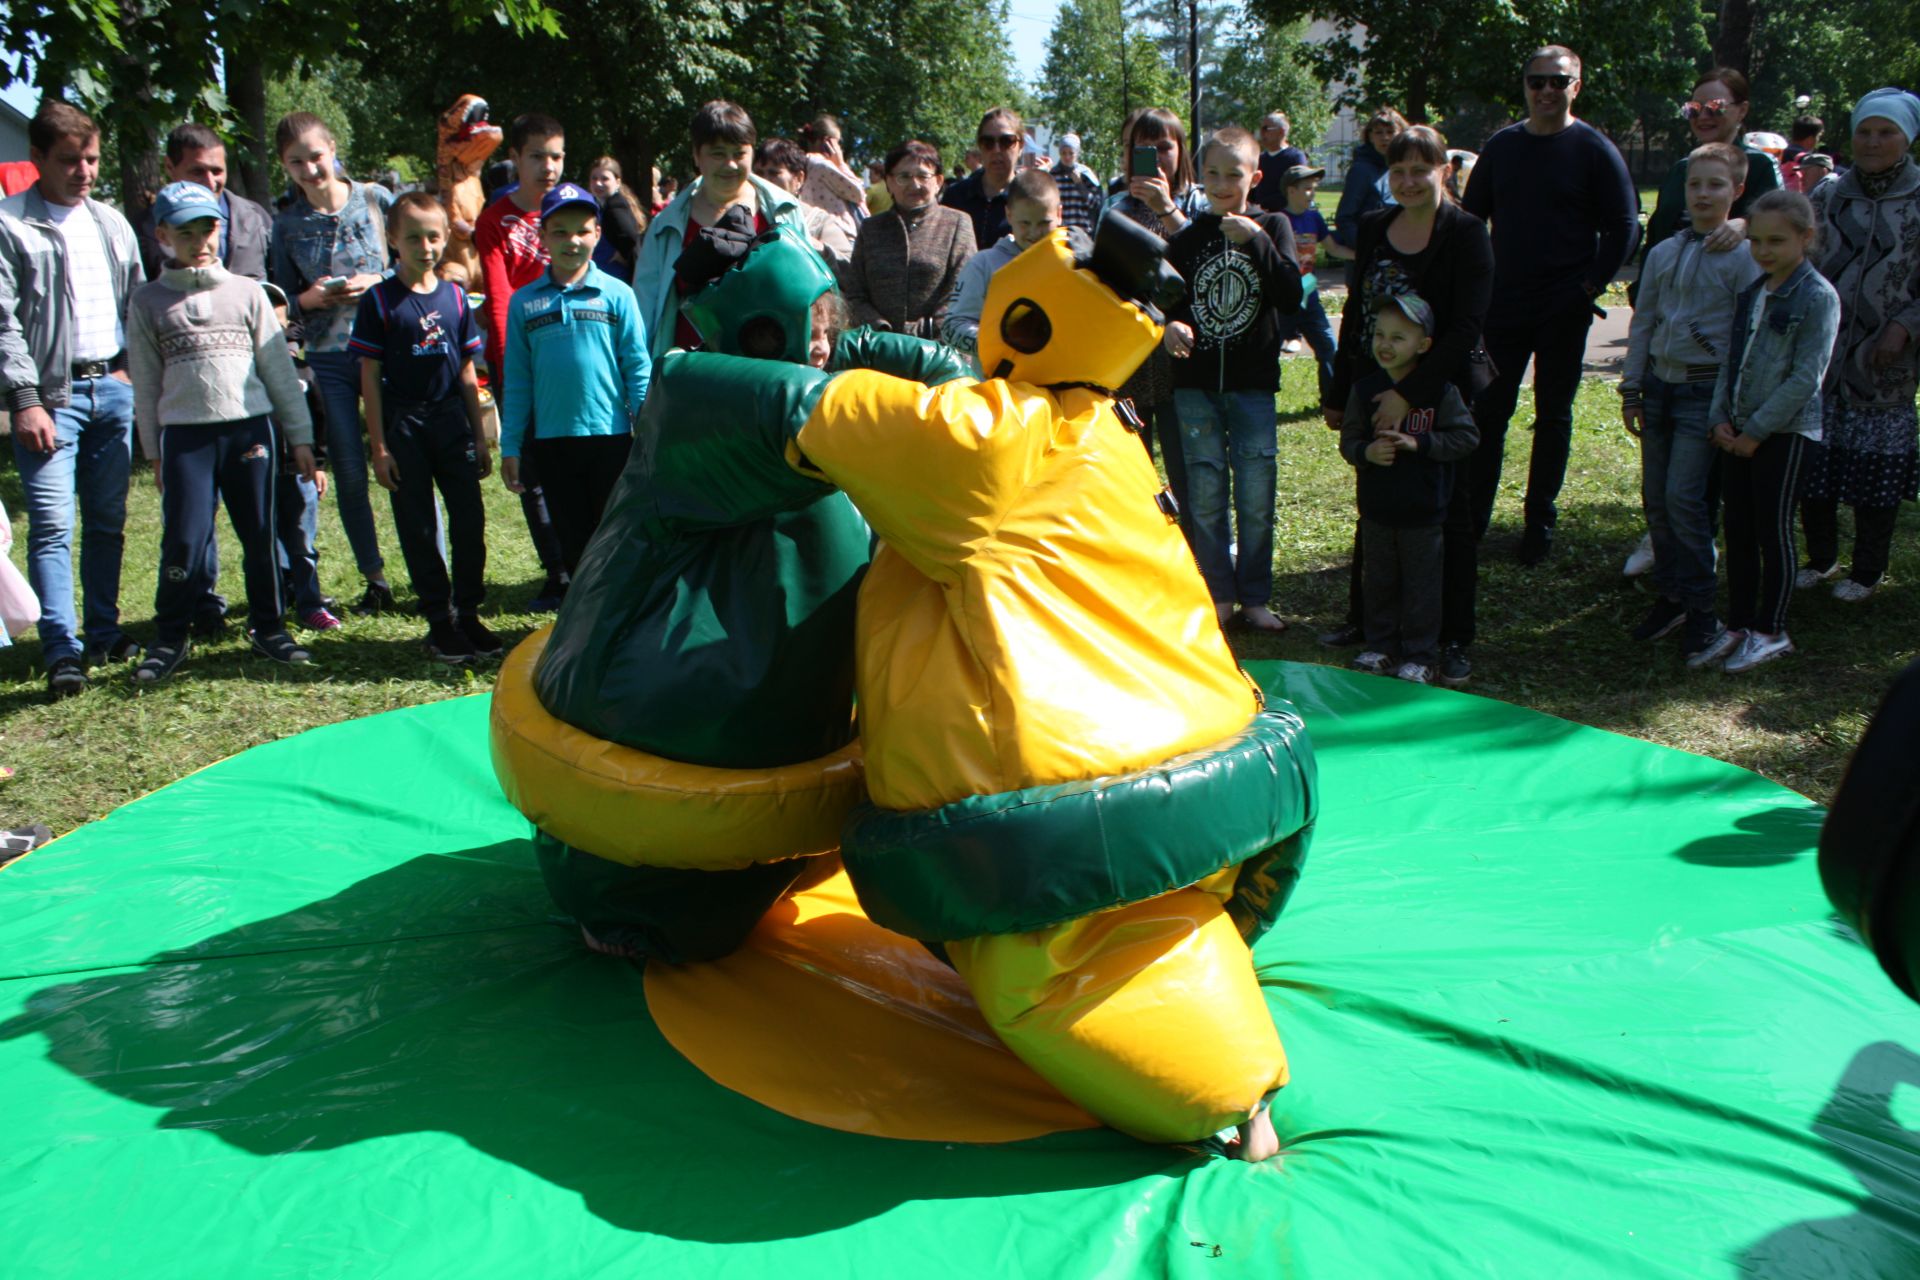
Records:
x=319, y=620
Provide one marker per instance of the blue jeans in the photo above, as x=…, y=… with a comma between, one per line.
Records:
x=1228, y=436
x=1676, y=464
x=1318, y=331
x=92, y=456
x=297, y=523
x=337, y=375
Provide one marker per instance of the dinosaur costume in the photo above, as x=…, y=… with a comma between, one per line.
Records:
x=466, y=139
x=1075, y=792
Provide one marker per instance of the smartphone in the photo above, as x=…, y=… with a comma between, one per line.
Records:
x=332, y=284
x=1146, y=162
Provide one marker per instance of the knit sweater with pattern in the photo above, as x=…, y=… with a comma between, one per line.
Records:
x=203, y=346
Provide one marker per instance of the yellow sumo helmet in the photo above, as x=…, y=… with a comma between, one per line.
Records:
x=1053, y=316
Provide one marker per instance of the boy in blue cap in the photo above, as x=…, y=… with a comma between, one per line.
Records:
x=209, y=364
x=577, y=370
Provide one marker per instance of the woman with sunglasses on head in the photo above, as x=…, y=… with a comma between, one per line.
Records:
x=1162, y=203
x=982, y=194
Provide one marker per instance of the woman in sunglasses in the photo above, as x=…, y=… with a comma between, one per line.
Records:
x=1716, y=112
x=982, y=194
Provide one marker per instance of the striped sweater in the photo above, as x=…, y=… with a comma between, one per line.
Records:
x=203, y=346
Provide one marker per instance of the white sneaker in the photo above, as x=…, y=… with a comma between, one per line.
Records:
x=1373, y=662
x=1756, y=649
x=1641, y=561
x=1809, y=577
x=1853, y=592
x=1414, y=673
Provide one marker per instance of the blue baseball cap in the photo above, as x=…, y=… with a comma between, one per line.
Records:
x=182, y=202
x=565, y=194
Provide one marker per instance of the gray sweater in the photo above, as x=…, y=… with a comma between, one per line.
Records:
x=203, y=347
x=1683, y=316
x=904, y=268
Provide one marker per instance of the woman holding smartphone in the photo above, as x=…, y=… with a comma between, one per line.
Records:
x=329, y=247
x=1161, y=195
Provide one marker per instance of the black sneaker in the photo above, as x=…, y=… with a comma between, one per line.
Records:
x=377, y=599
x=448, y=643
x=125, y=649
x=162, y=660
x=1455, y=668
x=281, y=647
x=1344, y=636
x=1662, y=619
x=65, y=678
x=551, y=594
x=1535, y=543
x=484, y=642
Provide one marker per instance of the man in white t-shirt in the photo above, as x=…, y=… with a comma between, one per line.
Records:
x=68, y=265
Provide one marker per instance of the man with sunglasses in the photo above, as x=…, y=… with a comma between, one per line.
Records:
x=1565, y=216
x=982, y=194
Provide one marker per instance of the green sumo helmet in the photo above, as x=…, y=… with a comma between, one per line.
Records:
x=763, y=306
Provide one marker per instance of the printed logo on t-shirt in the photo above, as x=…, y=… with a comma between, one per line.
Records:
x=433, y=337
x=1226, y=297
x=1418, y=422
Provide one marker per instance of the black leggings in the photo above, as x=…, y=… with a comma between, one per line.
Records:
x=1759, y=494
x=1872, y=537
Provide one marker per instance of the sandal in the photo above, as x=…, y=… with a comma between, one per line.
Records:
x=1257, y=617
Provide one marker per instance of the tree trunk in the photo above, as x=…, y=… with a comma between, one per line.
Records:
x=247, y=95
x=1418, y=79
x=1733, y=36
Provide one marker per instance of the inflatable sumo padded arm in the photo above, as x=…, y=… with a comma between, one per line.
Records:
x=915, y=359
x=712, y=438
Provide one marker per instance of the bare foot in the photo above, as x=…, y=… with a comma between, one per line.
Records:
x=1224, y=612
x=595, y=945
x=1257, y=1140
x=1260, y=618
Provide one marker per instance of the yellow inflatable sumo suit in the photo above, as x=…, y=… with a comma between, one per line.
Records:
x=1074, y=787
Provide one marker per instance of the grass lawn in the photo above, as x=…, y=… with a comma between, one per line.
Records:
x=1552, y=638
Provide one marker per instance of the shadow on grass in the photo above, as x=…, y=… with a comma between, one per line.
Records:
x=433, y=997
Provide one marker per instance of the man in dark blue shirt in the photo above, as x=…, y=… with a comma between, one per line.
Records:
x=1565, y=215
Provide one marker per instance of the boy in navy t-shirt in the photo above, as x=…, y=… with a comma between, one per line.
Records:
x=416, y=339
x=1310, y=232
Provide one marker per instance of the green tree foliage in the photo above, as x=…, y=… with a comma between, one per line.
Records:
x=1832, y=53
x=1089, y=83
x=1264, y=68
x=891, y=69
x=1433, y=56
x=142, y=66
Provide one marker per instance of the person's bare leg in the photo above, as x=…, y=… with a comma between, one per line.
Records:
x=594, y=944
x=1257, y=1139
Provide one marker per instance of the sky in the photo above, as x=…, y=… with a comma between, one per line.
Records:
x=1028, y=22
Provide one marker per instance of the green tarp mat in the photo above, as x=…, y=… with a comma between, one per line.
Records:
x=1558, y=1003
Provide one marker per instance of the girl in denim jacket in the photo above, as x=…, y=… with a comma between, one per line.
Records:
x=1766, y=411
x=329, y=247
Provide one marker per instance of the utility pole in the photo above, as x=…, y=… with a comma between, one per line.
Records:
x=1193, y=68
x=1126, y=85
